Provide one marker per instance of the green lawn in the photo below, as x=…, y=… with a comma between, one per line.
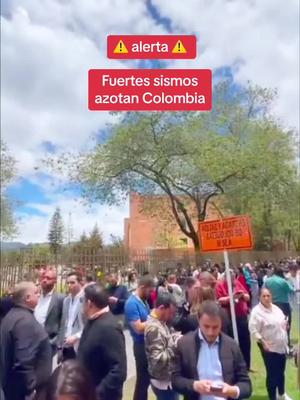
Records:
x=258, y=378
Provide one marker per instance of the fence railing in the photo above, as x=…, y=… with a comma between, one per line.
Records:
x=26, y=263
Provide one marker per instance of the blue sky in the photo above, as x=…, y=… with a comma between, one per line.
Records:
x=48, y=47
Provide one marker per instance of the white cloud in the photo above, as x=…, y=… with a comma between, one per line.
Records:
x=262, y=37
x=34, y=228
x=47, y=49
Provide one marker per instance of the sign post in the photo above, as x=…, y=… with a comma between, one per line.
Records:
x=231, y=299
x=233, y=233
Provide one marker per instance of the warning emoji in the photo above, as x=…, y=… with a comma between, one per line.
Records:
x=120, y=48
x=179, y=48
x=131, y=47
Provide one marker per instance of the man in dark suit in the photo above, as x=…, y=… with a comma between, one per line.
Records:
x=48, y=311
x=25, y=361
x=210, y=364
x=118, y=294
x=102, y=345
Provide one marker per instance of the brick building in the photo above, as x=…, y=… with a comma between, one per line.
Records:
x=151, y=224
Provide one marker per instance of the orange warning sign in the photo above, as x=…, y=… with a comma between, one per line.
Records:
x=120, y=48
x=233, y=233
x=179, y=48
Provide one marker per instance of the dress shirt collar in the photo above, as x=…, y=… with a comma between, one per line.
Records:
x=77, y=296
x=99, y=313
x=49, y=294
x=202, y=338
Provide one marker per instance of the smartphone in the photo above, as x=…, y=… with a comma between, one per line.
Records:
x=217, y=387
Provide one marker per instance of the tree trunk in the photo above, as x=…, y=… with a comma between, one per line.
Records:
x=296, y=240
x=289, y=239
x=196, y=243
x=55, y=259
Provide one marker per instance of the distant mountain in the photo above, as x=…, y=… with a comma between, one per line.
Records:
x=12, y=246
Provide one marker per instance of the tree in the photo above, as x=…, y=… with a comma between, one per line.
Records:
x=191, y=157
x=92, y=242
x=83, y=238
x=95, y=240
x=269, y=194
x=8, y=171
x=56, y=233
x=166, y=233
x=116, y=242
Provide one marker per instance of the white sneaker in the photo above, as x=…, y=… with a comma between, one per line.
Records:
x=284, y=397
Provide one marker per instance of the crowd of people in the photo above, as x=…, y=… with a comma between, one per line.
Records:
x=181, y=328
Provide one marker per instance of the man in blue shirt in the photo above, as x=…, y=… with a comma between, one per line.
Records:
x=137, y=311
x=210, y=364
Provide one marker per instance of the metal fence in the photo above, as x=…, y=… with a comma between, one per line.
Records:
x=26, y=263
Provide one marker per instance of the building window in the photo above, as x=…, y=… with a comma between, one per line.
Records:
x=184, y=241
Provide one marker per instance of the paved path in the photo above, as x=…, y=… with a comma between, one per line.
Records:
x=129, y=353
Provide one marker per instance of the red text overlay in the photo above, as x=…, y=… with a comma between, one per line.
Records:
x=150, y=89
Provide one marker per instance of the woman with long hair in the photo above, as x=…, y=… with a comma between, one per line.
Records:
x=200, y=295
x=132, y=282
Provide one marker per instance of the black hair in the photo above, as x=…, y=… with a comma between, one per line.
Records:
x=89, y=278
x=77, y=274
x=131, y=275
x=165, y=299
x=72, y=379
x=278, y=270
x=210, y=308
x=161, y=281
x=97, y=294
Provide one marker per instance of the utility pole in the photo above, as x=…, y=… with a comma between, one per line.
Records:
x=70, y=230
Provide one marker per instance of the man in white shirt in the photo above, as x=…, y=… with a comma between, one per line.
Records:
x=48, y=311
x=72, y=318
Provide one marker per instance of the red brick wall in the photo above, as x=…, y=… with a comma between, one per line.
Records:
x=141, y=231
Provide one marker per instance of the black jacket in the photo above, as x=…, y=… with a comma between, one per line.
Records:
x=6, y=304
x=233, y=366
x=25, y=359
x=121, y=293
x=102, y=353
x=53, y=319
x=181, y=322
x=185, y=322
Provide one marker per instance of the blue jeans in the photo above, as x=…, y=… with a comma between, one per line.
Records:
x=168, y=394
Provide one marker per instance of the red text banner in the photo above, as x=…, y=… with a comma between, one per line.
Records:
x=150, y=90
x=151, y=46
